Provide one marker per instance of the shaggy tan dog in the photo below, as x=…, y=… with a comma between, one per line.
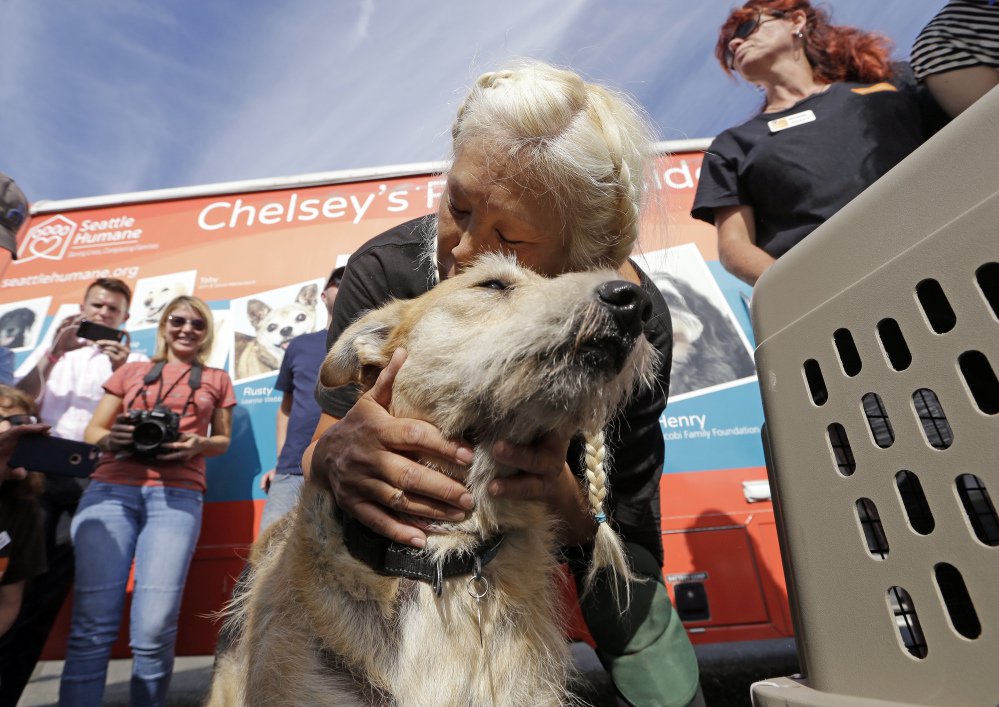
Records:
x=497, y=352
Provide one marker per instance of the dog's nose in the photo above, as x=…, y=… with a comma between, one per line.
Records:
x=628, y=304
x=287, y=331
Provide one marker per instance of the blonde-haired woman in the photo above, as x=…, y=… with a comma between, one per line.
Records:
x=548, y=168
x=156, y=424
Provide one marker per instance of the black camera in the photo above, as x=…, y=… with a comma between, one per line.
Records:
x=153, y=429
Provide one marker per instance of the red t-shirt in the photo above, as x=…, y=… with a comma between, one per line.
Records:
x=126, y=383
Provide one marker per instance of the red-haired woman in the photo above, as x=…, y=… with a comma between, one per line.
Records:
x=832, y=123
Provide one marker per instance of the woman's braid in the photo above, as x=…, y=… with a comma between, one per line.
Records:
x=608, y=550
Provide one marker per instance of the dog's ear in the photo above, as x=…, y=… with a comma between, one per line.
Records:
x=360, y=353
x=256, y=311
x=308, y=295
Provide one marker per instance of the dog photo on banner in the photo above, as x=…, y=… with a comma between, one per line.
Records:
x=151, y=295
x=710, y=349
x=21, y=322
x=265, y=323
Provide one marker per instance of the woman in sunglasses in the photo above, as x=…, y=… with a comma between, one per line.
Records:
x=836, y=116
x=157, y=422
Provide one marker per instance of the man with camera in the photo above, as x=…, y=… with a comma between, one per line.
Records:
x=67, y=381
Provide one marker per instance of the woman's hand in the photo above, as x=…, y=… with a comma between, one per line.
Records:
x=119, y=437
x=184, y=448
x=545, y=476
x=368, y=460
x=541, y=465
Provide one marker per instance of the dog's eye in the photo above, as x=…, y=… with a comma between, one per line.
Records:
x=493, y=285
x=300, y=318
x=271, y=327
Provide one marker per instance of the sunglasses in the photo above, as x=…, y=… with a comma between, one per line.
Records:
x=746, y=28
x=179, y=322
x=19, y=419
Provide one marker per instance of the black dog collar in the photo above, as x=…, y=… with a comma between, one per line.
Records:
x=396, y=560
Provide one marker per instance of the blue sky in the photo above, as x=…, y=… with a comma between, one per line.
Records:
x=110, y=96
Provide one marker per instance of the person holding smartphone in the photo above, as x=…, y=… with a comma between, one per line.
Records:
x=156, y=423
x=105, y=303
x=66, y=380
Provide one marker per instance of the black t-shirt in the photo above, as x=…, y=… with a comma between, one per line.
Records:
x=401, y=264
x=797, y=177
x=22, y=538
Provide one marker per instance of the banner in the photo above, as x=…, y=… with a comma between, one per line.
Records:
x=253, y=256
x=260, y=258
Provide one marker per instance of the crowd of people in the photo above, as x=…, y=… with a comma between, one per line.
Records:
x=546, y=167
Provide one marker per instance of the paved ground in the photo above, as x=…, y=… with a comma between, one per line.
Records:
x=191, y=676
x=726, y=674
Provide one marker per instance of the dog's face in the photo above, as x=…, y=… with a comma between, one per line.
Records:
x=14, y=325
x=502, y=348
x=158, y=298
x=275, y=328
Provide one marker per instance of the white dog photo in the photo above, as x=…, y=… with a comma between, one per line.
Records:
x=152, y=294
x=265, y=323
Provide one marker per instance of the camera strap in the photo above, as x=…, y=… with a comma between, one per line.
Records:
x=156, y=374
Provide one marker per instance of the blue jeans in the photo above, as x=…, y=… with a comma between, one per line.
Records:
x=281, y=498
x=159, y=527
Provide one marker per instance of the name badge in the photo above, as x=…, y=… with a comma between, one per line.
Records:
x=790, y=121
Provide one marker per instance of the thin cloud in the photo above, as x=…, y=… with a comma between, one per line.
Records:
x=113, y=96
x=363, y=20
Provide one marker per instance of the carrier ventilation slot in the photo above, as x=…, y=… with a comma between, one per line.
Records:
x=874, y=532
x=816, y=383
x=893, y=343
x=960, y=608
x=978, y=505
x=906, y=621
x=842, y=452
x=988, y=282
x=981, y=380
x=939, y=314
x=877, y=419
x=849, y=357
x=917, y=509
x=931, y=416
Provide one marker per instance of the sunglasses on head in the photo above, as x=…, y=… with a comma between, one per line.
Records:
x=19, y=419
x=746, y=28
x=179, y=322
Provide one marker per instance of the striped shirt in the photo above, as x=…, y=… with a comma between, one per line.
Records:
x=964, y=33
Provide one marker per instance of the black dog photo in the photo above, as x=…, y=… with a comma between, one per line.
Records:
x=20, y=322
x=708, y=346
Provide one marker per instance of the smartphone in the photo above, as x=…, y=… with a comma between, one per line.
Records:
x=99, y=332
x=54, y=455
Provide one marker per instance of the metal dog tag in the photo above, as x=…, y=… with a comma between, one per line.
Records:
x=478, y=587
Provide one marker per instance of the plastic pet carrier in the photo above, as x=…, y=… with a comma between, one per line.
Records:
x=878, y=358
